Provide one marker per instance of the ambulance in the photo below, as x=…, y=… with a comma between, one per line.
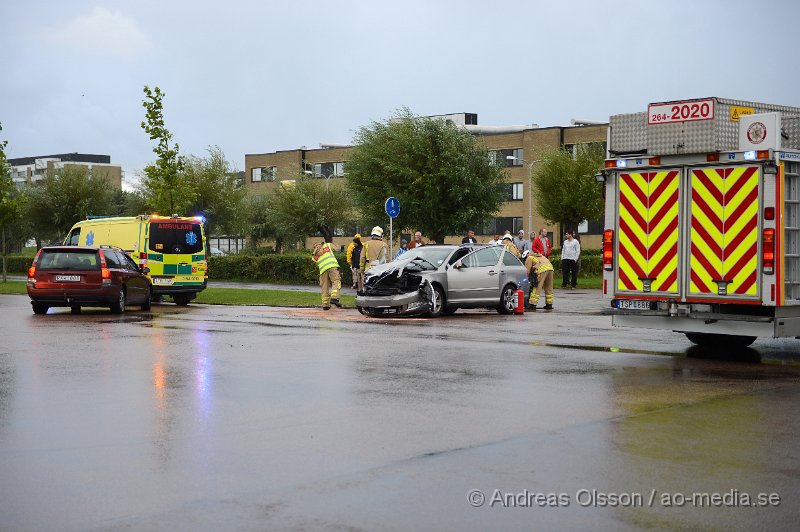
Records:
x=702, y=220
x=173, y=248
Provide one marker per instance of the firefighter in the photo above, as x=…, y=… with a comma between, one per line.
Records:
x=540, y=264
x=375, y=250
x=354, y=261
x=329, y=280
x=508, y=243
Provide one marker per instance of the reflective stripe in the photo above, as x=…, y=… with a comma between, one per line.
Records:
x=724, y=230
x=327, y=260
x=648, y=231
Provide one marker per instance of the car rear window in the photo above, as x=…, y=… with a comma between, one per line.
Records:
x=175, y=237
x=72, y=259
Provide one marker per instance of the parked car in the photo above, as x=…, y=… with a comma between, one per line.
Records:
x=439, y=279
x=71, y=276
x=216, y=252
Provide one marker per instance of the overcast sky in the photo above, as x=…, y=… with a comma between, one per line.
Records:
x=260, y=76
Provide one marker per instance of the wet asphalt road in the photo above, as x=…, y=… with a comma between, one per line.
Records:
x=252, y=418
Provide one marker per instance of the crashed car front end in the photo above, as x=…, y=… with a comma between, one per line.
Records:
x=396, y=289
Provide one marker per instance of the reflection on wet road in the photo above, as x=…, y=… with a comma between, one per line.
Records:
x=260, y=418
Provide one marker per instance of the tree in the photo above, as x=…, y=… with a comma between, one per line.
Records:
x=64, y=197
x=258, y=223
x=309, y=206
x=565, y=188
x=443, y=177
x=11, y=201
x=168, y=190
x=218, y=194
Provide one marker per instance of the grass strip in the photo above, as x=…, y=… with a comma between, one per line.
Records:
x=13, y=287
x=270, y=298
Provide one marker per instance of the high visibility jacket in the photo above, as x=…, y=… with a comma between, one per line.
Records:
x=538, y=263
x=512, y=248
x=326, y=260
x=374, y=249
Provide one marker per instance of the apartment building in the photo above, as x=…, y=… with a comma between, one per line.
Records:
x=517, y=147
x=27, y=170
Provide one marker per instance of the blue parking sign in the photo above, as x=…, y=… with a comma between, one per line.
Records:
x=392, y=207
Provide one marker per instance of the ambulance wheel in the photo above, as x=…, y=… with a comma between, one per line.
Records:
x=438, y=303
x=181, y=299
x=40, y=308
x=720, y=340
x=149, y=301
x=507, y=299
x=119, y=306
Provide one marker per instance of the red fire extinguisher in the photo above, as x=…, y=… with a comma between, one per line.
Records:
x=520, y=302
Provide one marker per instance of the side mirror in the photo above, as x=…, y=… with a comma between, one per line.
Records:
x=144, y=269
x=458, y=264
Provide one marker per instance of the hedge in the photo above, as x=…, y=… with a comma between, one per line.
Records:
x=295, y=268
x=17, y=264
x=291, y=268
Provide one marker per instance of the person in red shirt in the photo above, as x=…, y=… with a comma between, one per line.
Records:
x=417, y=241
x=542, y=243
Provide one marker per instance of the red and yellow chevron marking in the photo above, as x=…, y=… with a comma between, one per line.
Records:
x=648, y=231
x=724, y=230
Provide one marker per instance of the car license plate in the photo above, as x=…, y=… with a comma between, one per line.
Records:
x=71, y=278
x=162, y=280
x=633, y=304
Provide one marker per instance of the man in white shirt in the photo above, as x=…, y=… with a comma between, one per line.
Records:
x=570, y=253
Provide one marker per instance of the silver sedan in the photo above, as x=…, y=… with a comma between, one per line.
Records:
x=440, y=279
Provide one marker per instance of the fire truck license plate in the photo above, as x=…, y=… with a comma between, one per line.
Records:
x=632, y=304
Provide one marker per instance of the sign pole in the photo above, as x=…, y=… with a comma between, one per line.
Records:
x=391, y=236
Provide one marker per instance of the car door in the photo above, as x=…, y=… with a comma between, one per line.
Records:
x=475, y=278
x=137, y=282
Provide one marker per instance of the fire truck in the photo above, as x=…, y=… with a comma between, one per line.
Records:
x=702, y=220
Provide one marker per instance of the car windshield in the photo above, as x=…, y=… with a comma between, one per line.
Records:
x=429, y=255
x=72, y=259
x=175, y=237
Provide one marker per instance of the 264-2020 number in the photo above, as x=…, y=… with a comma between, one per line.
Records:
x=681, y=112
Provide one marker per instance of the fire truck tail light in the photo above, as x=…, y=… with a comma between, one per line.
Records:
x=608, y=249
x=769, y=213
x=762, y=154
x=611, y=163
x=768, y=258
x=712, y=157
x=654, y=161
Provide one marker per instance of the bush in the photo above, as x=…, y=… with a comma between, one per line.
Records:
x=17, y=264
x=290, y=268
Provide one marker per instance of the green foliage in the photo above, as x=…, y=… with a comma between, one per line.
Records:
x=218, y=194
x=259, y=224
x=565, y=188
x=289, y=268
x=18, y=264
x=63, y=197
x=307, y=207
x=168, y=190
x=443, y=177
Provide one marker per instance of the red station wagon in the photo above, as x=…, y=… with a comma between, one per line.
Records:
x=71, y=276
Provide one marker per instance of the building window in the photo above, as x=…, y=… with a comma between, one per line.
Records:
x=573, y=148
x=264, y=173
x=508, y=157
x=514, y=192
x=327, y=170
x=498, y=226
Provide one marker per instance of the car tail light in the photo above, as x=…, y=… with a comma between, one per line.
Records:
x=31, y=272
x=768, y=257
x=105, y=273
x=608, y=249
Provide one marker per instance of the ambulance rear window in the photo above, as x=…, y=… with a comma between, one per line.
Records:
x=175, y=237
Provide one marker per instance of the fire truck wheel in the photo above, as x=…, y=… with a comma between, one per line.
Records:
x=720, y=340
